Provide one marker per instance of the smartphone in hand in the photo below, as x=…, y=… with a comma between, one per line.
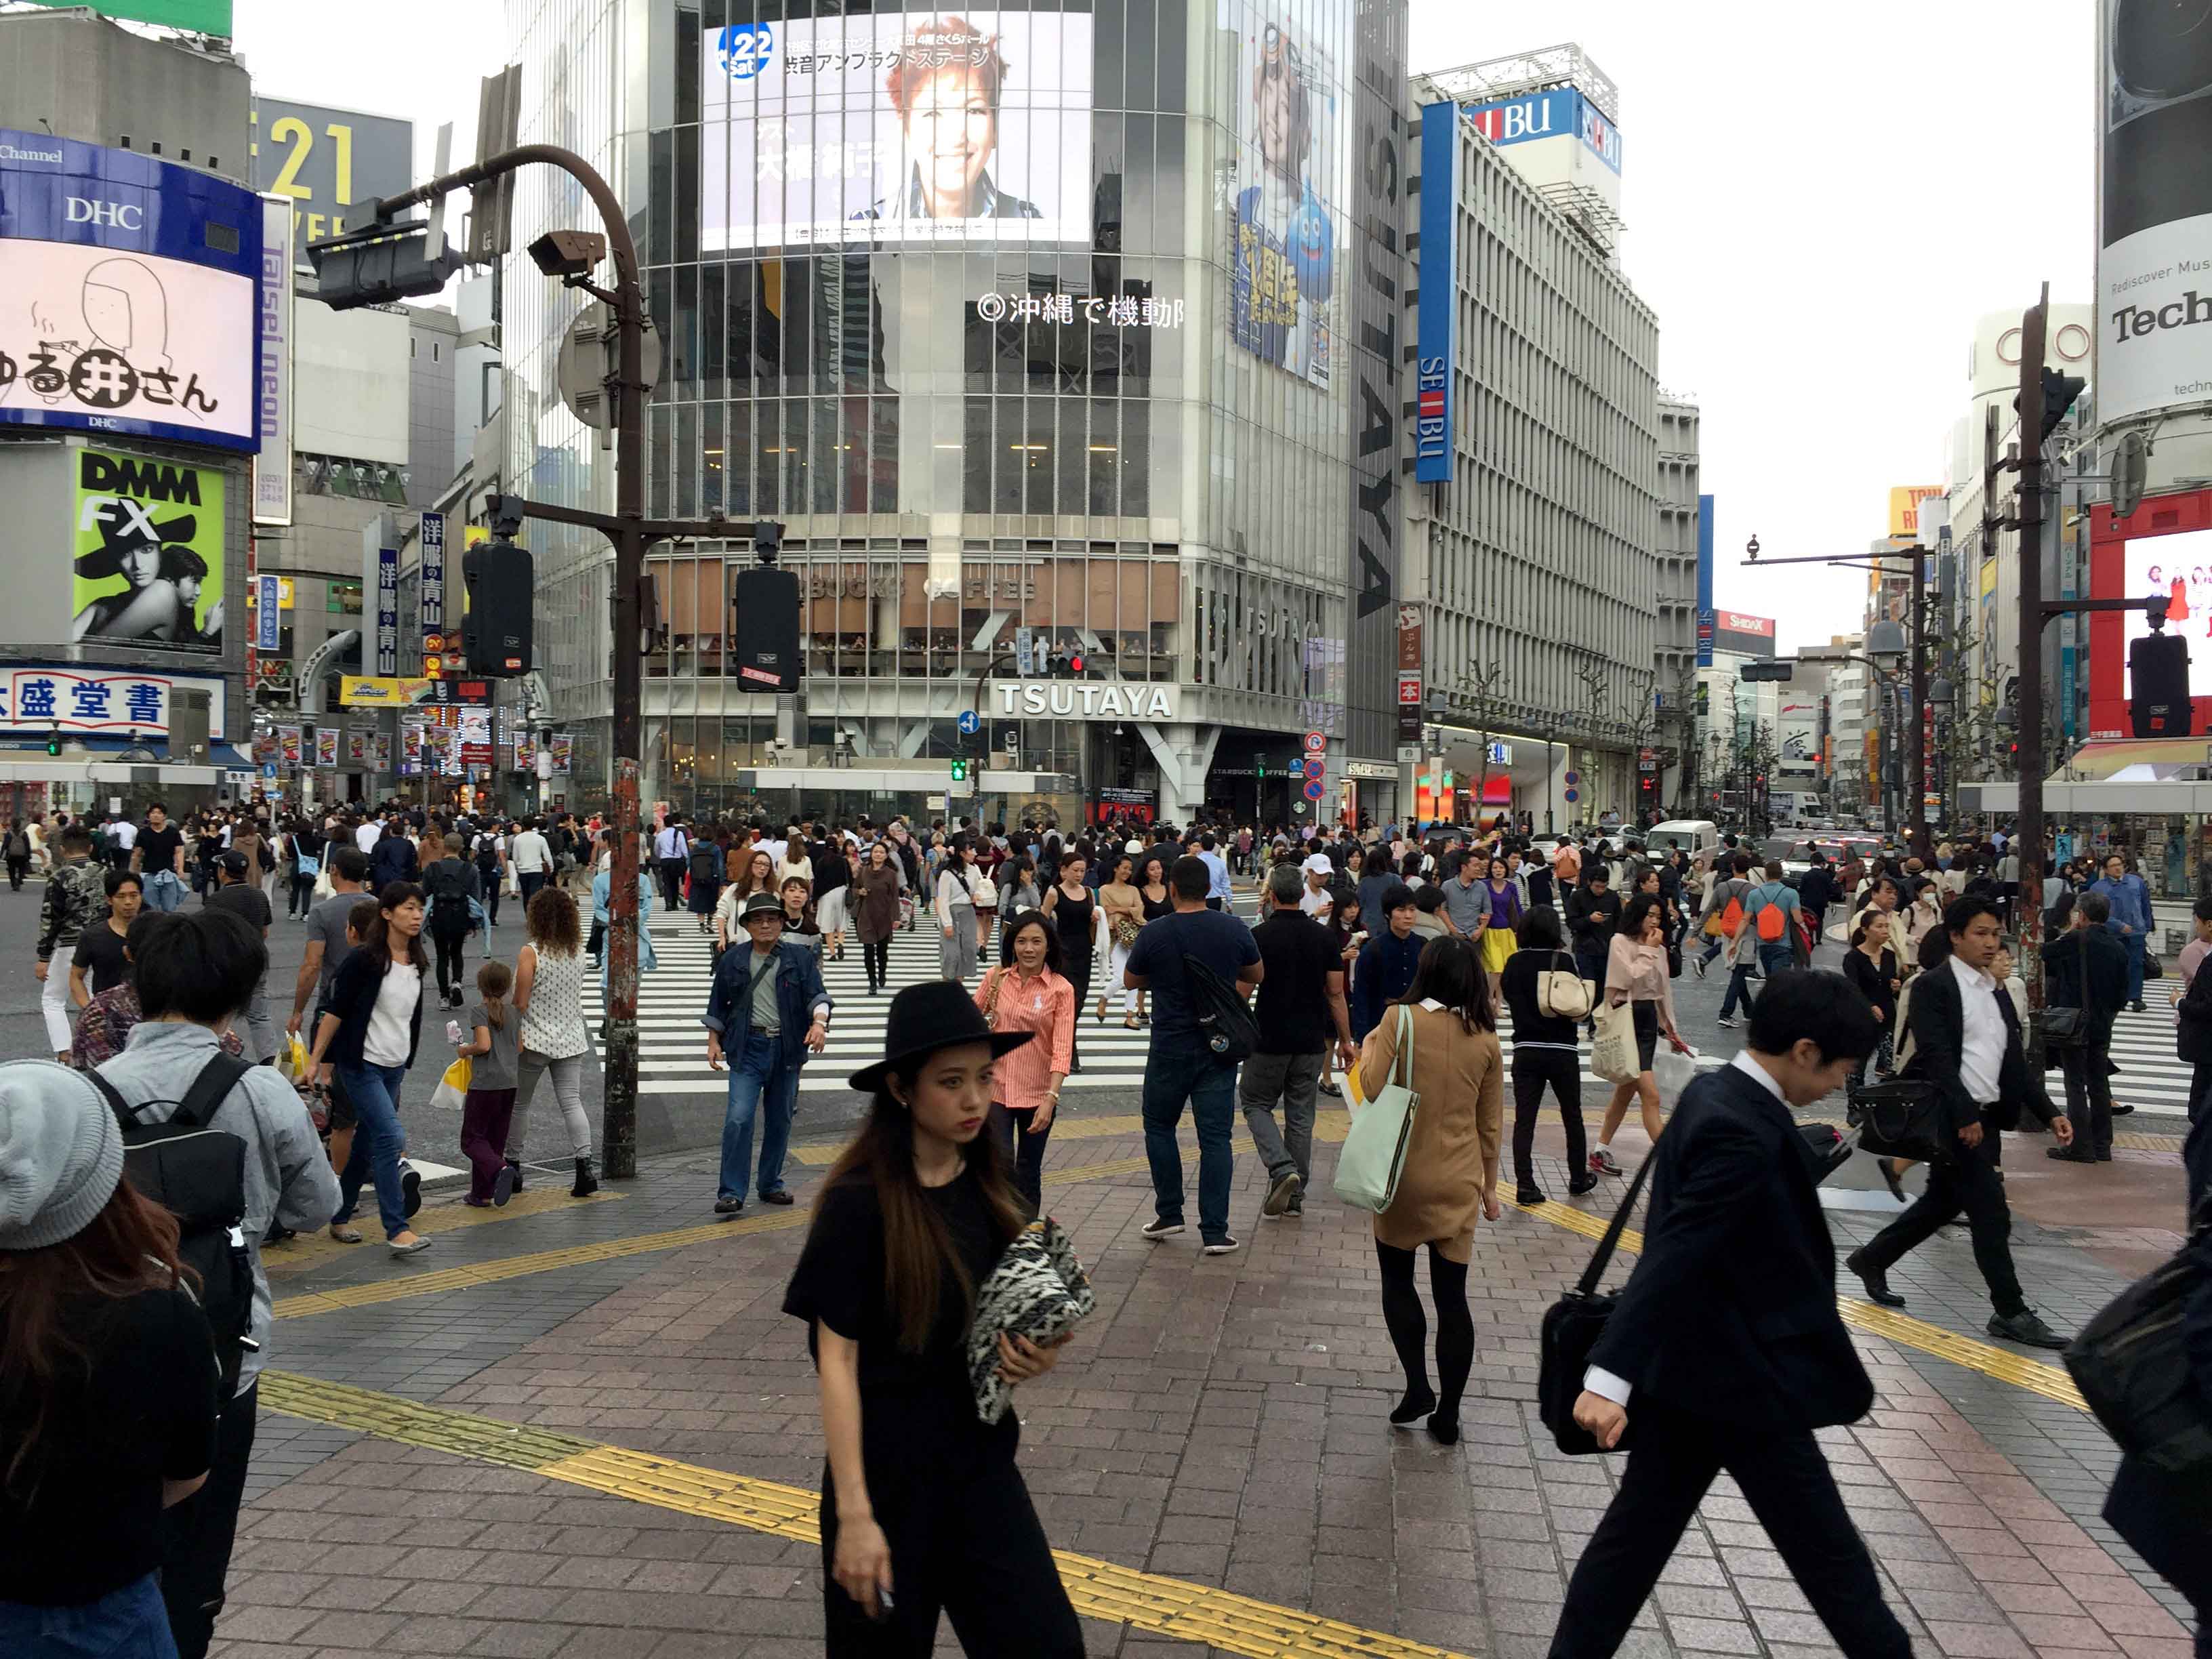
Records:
x=453, y=1033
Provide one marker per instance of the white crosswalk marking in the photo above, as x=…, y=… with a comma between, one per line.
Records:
x=672, y=1045
x=2150, y=1076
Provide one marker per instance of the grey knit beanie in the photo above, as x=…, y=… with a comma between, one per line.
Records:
x=61, y=1154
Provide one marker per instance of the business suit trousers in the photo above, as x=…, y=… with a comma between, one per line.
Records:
x=2088, y=1097
x=1783, y=1478
x=1967, y=1181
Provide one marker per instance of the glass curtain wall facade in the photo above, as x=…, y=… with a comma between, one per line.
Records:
x=1019, y=318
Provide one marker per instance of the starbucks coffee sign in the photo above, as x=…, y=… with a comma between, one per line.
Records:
x=1085, y=700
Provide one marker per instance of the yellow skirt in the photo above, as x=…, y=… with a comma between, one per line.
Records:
x=1497, y=944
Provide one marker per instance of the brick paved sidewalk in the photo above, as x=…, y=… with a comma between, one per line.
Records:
x=1217, y=1425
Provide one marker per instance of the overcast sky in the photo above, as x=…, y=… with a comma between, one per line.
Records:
x=1817, y=210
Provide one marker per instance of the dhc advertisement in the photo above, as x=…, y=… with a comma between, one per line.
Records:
x=1435, y=346
x=129, y=300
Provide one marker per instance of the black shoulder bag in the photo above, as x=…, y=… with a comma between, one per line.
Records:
x=1571, y=1328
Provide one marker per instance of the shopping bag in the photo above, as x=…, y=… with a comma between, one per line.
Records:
x=292, y=1064
x=1612, y=1057
x=1374, y=1152
x=1675, y=1072
x=452, y=1088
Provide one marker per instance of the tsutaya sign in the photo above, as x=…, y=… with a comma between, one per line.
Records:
x=1088, y=700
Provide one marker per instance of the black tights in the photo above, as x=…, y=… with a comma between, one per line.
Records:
x=876, y=953
x=1409, y=1326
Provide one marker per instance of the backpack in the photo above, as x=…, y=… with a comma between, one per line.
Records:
x=1731, y=917
x=702, y=861
x=449, y=897
x=487, y=856
x=1773, y=922
x=198, y=1175
x=1225, y=1019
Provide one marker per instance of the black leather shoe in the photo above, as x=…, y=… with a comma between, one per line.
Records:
x=2068, y=1155
x=2026, y=1328
x=2122, y=1107
x=1580, y=1184
x=779, y=1196
x=1876, y=1282
x=1528, y=1193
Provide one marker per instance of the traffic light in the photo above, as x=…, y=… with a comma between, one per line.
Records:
x=959, y=770
x=397, y=266
x=2158, y=684
x=502, y=581
x=2059, y=392
x=53, y=742
x=1064, y=666
x=1766, y=668
x=766, y=635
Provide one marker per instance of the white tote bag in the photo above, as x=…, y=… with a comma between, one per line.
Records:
x=1374, y=1154
x=1612, y=1057
x=1562, y=993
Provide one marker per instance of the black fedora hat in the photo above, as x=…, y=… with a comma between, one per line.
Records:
x=120, y=534
x=938, y=1013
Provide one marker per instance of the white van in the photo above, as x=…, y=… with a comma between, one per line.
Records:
x=1697, y=835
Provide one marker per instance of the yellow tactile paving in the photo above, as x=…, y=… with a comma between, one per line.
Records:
x=1100, y=1589
x=2051, y=1382
x=297, y=1256
x=404, y=1284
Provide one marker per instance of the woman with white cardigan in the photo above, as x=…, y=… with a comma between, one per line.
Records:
x=957, y=881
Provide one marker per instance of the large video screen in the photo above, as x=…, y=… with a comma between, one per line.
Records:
x=898, y=127
x=1292, y=185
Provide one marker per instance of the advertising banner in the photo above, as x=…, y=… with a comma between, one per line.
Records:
x=201, y=16
x=1290, y=184
x=891, y=127
x=1410, y=704
x=128, y=295
x=267, y=612
x=387, y=610
x=272, y=467
x=322, y=161
x=357, y=748
x=1905, y=508
x=1435, y=349
x=1747, y=636
x=149, y=558
x=2154, y=210
x=381, y=750
x=44, y=696
x=326, y=746
x=287, y=745
x=563, y=747
x=433, y=541
x=476, y=737
x=384, y=691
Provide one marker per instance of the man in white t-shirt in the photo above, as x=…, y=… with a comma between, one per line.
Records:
x=366, y=837
x=1317, y=901
x=532, y=855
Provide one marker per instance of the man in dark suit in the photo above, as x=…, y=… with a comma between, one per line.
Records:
x=2086, y=967
x=1726, y=1349
x=1966, y=1041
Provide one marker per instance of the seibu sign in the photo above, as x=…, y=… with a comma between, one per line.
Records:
x=1086, y=699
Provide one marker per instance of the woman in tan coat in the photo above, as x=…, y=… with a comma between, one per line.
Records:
x=1450, y=1170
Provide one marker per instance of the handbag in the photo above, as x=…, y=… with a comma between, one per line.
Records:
x=2064, y=1027
x=1038, y=1291
x=1571, y=1328
x=1900, y=1119
x=2132, y=1365
x=1613, y=1057
x=1374, y=1155
x=1125, y=929
x=990, y=1001
x=452, y=1089
x=1564, y=993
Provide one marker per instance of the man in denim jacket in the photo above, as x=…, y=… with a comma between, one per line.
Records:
x=767, y=1011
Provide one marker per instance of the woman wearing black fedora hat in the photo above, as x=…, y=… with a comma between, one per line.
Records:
x=923, y=1510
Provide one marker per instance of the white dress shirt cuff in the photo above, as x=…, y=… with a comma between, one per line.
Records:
x=1598, y=1380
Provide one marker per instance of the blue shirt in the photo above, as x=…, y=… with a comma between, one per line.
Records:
x=2130, y=901
x=1218, y=865
x=1383, y=973
x=1212, y=937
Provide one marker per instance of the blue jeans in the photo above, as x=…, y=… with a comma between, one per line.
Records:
x=758, y=1079
x=164, y=891
x=1181, y=1069
x=129, y=1623
x=2136, y=944
x=378, y=1141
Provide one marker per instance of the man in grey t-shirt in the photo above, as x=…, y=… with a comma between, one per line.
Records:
x=1467, y=895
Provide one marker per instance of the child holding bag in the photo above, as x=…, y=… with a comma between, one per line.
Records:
x=495, y=1031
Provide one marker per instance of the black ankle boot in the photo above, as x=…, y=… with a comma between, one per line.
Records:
x=586, y=1182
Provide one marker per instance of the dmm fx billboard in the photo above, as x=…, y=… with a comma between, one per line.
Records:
x=2153, y=209
x=128, y=295
x=1436, y=347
